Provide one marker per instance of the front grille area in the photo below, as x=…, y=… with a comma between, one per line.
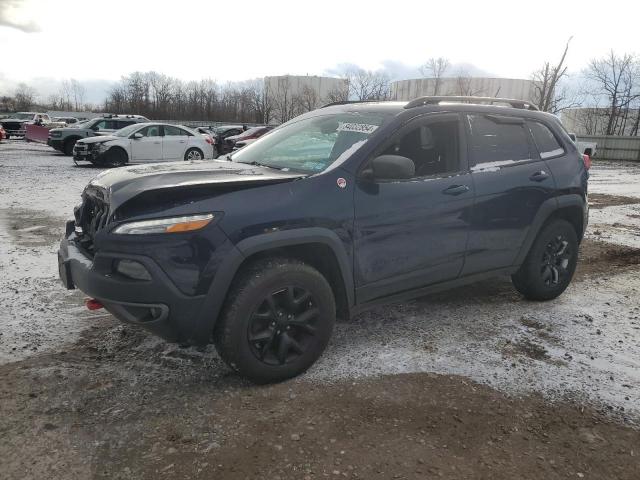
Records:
x=13, y=126
x=91, y=217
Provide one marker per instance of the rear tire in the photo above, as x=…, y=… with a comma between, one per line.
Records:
x=277, y=320
x=194, y=154
x=550, y=264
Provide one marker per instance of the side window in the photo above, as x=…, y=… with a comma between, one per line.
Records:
x=101, y=125
x=150, y=131
x=231, y=133
x=545, y=140
x=173, y=131
x=495, y=143
x=433, y=147
x=123, y=123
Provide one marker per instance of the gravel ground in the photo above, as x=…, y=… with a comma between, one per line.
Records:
x=470, y=383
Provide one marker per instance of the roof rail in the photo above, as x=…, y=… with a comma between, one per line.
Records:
x=347, y=102
x=435, y=100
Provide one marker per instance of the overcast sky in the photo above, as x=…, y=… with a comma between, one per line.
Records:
x=44, y=40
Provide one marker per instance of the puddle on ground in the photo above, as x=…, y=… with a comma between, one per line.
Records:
x=30, y=228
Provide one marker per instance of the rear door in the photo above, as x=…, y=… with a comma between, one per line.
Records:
x=174, y=143
x=511, y=182
x=149, y=147
x=413, y=232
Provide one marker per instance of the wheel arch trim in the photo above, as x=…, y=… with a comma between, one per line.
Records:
x=247, y=247
x=545, y=212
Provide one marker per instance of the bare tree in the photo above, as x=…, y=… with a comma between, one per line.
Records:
x=368, y=85
x=549, y=94
x=284, y=102
x=77, y=93
x=464, y=84
x=25, y=97
x=435, y=68
x=617, y=79
x=262, y=101
x=308, y=99
x=337, y=95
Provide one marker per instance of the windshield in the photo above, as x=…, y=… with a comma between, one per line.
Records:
x=23, y=116
x=313, y=144
x=126, y=131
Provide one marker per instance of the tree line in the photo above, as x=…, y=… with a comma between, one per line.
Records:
x=610, y=85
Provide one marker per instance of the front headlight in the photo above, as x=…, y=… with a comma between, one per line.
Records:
x=99, y=147
x=165, y=225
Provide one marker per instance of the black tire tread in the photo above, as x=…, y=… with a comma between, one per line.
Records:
x=242, y=287
x=525, y=280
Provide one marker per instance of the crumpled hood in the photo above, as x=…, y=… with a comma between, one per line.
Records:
x=99, y=139
x=123, y=184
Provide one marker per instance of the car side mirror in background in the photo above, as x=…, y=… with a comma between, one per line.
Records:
x=572, y=136
x=137, y=136
x=390, y=167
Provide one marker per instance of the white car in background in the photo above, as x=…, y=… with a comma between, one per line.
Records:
x=144, y=142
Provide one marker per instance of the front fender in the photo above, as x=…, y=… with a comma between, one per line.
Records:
x=228, y=268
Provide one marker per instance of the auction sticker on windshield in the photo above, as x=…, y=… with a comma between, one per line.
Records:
x=356, y=127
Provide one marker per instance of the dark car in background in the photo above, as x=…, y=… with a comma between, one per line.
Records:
x=246, y=137
x=220, y=135
x=340, y=209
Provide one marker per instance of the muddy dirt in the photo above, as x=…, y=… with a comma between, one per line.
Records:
x=87, y=421
x=601, y=200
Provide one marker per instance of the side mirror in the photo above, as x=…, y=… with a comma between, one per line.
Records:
x=572, y=136
x=137, y=136
x=390, y=167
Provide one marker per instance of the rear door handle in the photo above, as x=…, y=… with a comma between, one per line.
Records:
x=539, y=176
x=456, y=189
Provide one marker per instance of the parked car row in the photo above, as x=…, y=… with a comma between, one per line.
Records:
x=228, y=138
x=16, y=124
x=114, y=140
x=144, y=142
x=64, y=139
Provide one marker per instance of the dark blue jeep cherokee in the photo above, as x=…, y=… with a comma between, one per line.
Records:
x=339, y=209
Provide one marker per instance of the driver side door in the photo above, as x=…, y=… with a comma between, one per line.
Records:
x=410, y=233
x=148, y=148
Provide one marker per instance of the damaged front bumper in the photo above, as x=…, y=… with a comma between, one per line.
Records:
x=154, y=303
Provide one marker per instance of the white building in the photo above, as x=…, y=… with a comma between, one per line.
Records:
x=291, y=95
x=514, y=88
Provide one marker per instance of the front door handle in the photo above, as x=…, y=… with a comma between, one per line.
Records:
x=539, y=176
x=456, y=189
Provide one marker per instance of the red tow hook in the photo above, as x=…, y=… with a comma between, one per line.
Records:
x=93, y=304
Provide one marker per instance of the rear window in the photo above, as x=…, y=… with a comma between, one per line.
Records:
x=494, y=143
x=547, y=144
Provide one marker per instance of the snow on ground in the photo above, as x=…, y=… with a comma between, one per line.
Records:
x=584, y=344
x=619, y=224
x=615, y=178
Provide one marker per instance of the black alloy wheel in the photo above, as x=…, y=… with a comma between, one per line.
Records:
x=283, y=326
x=555, y=261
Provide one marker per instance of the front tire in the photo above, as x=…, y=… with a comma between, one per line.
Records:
x=550, y=264
x=117, y=157
x=67, y=148
x=277, y=320
x=193, y=154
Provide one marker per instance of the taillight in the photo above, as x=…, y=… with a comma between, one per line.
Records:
x=208, y=139
x=587, y=161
